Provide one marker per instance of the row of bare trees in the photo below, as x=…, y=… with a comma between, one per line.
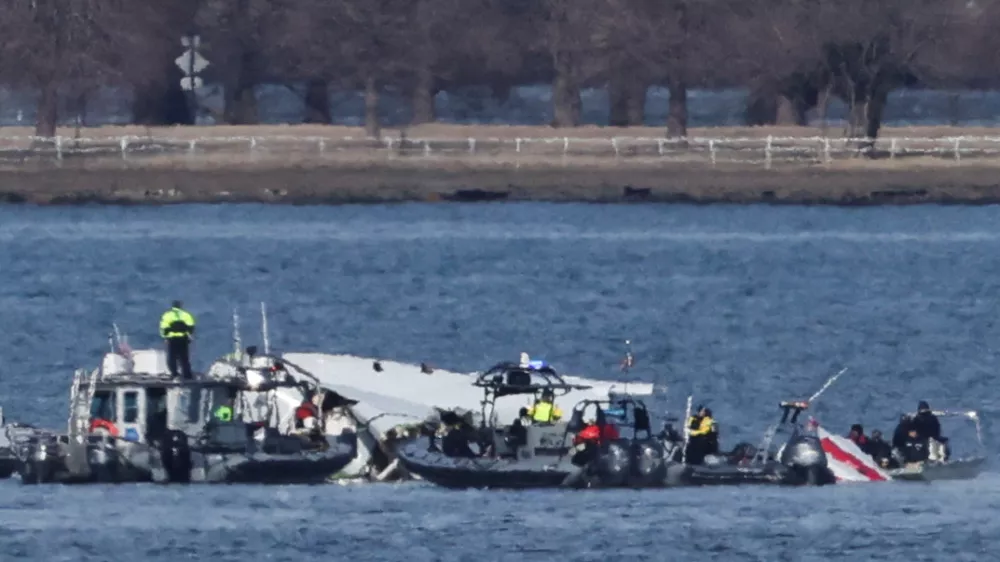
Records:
x=791, y=54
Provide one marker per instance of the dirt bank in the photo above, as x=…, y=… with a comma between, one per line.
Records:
x=379, y=184
x=306, y=165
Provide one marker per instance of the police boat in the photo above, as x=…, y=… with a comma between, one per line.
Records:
x=526, y=454
x=799, y=460
x=12, y=437
x=131, y=422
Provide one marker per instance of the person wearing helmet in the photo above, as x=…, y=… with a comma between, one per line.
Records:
x=544, y=410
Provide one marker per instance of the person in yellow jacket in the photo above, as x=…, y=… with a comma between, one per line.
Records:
x=544, y=410
x=176, y=329
x=700, y=429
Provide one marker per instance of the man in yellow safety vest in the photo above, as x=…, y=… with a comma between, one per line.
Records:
x=176, y=328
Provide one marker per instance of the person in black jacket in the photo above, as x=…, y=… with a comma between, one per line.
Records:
x=880, y=450
x=926, y=423
x=899, y=435
x=915, y=447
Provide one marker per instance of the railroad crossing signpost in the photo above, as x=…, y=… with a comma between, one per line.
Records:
x=191, y=64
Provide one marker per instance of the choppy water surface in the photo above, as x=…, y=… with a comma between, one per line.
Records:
x=741, y=306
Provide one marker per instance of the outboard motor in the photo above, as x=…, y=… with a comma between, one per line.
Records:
x=804, y=455
x=648, y=465
x=614, y=464
x=175, y=453
x=101, y=460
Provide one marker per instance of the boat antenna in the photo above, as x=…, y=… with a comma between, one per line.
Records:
x=117, y=336
x=237, y=341
x=687, y=430
x=826, y=385
x=263, y=328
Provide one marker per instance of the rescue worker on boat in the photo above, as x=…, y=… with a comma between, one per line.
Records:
x=224, y=413
x=176, y=329
x=928, y=427
x=914, y=448
x=881, y=451
x=699, y=429
x=587, y=442
x=858, y=437
x=544, y=410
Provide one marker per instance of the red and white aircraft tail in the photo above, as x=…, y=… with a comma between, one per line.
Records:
x=847, y=461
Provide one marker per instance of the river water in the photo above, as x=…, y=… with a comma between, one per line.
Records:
x=739, y=305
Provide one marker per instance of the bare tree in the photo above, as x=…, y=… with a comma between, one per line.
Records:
x=74, y=46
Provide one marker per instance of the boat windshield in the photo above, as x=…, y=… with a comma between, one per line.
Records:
x=103, y=405
x=189, y=404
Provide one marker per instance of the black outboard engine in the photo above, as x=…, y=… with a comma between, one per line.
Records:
x=648, y=465
x=614, y=464
x=804, y=455
x=175, y=453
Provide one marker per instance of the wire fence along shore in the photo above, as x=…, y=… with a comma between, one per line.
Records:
x=765, y=152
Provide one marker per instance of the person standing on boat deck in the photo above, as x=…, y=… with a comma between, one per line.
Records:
x=926, y=423
x=544, y=410
x=224, y=413
x=176, y=328
x=699, y=430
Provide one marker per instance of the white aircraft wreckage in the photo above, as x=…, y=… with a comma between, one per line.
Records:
x=381, y=401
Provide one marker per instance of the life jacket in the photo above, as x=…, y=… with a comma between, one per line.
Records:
x=306, y=410
x=101, y=423
x=593, y=433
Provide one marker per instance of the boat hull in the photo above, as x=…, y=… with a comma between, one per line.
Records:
x=963, y=469
x=117, y=461
x=770, y=473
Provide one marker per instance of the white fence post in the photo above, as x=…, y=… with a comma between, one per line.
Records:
x=892, y=149
x=427, y=148
x=124, y=145
x=472, y=145
x=565, y=146
x=614, y=145
x=517, y=144
x=958, y=151
x=192, y=147
x=659, y=146
x=826, y=151
x=767, y=153
x=711, y=150
x=322, y=146
x=59, y=150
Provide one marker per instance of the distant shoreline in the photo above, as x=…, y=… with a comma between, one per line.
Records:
x=291, y=171
x=340, y=185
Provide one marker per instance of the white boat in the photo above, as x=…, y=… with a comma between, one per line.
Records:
x=380, y=399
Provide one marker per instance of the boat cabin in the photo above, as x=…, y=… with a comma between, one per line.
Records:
x=521, y=438
x=137, y=400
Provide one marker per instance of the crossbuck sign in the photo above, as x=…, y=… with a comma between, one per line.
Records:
x=191, y=63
